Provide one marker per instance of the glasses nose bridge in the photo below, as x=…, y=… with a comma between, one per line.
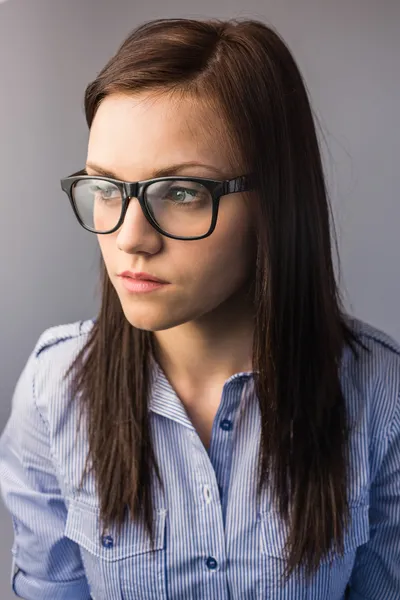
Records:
x=131, y=189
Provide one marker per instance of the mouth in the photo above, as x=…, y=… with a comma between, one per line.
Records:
x=141, y=277
x=141, y=282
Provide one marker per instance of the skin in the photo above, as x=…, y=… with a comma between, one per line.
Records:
x=202, y=320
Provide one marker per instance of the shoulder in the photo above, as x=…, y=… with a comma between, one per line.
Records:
x=53, y=354
x=71, y=334
x=42, y=386
x=55, y=349
x=381, y=344
x=378, y=355
x=371, y=379
x=61, y=343
x=42, y=420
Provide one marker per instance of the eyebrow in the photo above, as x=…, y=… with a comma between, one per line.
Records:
x=162, y=172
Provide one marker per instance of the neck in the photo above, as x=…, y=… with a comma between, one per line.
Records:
x=210, y=349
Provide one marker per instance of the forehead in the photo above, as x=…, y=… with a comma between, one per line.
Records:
x=135, y=134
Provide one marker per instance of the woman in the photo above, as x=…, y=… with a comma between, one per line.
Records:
x=223, y=429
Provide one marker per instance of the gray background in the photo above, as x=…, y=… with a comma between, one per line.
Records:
x=49, y=50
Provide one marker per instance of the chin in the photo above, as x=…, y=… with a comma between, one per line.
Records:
x=148, y=321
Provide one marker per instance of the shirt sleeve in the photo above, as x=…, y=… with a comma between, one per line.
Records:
x=45, y=564
x=376, y=573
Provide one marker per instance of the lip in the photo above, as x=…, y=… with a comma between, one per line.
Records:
x=141, y=277
x=140, y=283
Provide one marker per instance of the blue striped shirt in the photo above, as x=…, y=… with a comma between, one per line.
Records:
x=213, y=540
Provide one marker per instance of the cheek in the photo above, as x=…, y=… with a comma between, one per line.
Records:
x=233, y=246
x=107, y=248
x=98, y=221
x=223, y=262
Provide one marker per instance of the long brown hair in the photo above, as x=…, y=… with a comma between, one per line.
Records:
x=300, y=326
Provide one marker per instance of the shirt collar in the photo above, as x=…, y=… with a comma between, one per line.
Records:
x=165, y=402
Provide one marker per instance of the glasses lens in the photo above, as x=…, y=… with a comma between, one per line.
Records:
x=181, y=208
x=98, y=202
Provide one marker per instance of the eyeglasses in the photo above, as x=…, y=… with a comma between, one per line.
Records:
x=182, y=208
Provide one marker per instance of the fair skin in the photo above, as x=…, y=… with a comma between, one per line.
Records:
x=203, y=319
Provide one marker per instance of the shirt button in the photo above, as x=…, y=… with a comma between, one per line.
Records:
x=211, y=563
x=107, y=541
x=226, y=425
x=207, y=494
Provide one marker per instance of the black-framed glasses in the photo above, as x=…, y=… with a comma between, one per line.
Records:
x=182, y=208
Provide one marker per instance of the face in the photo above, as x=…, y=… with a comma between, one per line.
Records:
x=134, y=137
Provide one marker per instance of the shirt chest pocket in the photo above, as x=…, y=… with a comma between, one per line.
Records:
x=332, y=577
x=121, y=567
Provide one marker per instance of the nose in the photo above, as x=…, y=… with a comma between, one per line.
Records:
x=136, y=234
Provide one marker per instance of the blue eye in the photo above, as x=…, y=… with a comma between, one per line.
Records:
x=182, y=195
x=178, y=195
x=105, y=192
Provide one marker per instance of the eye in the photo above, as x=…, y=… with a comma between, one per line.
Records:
x=182, y=195
x=178, y=194
x=104, y=191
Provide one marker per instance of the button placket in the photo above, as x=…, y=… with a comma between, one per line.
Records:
x=211, y=539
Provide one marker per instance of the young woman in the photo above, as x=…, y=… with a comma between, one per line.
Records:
x=222, y=429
